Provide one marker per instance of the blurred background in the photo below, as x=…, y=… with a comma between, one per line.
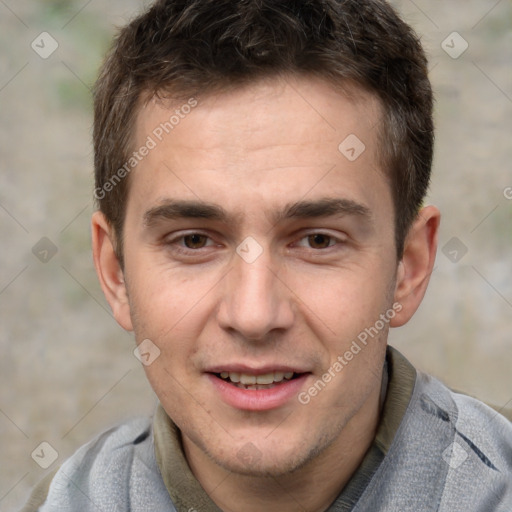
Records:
x=67, y=371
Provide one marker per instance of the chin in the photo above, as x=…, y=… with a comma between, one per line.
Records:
x=266, y=459
x=266, y=466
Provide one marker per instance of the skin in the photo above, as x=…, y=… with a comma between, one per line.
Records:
x=254, y=152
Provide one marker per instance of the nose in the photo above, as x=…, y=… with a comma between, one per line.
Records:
x=255, y=302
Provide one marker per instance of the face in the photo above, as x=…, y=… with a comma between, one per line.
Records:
x=256, y=252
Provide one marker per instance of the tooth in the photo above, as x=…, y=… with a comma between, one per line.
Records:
x=288, y=375
x=266, y=378
x=247, y=379
x=224, y=375
x=278, y=376
x=234, y=376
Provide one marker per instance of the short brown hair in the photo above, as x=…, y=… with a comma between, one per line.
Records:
x=182, y=48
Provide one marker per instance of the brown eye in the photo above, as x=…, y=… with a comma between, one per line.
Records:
x=195, y=241
x=319, y=241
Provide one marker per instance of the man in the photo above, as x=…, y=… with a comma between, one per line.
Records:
x=260, y=171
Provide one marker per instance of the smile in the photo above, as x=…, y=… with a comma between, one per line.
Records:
x=255, y=382
x=254, y=390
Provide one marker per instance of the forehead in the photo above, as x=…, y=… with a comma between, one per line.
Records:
x=275, y=138
x=251, y=113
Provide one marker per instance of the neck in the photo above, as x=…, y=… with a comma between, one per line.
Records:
x=313, y=487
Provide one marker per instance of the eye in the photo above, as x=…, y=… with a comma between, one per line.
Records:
x=320, y=241
x=195, y=241
x=317, y=241
x=191, y=246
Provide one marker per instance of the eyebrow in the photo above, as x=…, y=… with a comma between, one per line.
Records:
x=327, y=207
x=179, y=209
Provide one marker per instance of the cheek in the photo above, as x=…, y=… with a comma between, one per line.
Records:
x=174, y=326
x=341, y=303
x=172, y=318
x=163, y=298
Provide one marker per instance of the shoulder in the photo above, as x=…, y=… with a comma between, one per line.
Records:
x=113, y=472
x=472, y=420
x=449, y=453
x=475, y=448
x=485, y=432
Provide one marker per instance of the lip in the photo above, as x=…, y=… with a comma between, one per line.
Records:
x=257, y=399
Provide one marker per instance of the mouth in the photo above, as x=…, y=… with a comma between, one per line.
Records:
x=255, y=382
x=245, y=388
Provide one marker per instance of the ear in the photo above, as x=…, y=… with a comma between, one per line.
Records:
x=415, y=267
x=109, y=270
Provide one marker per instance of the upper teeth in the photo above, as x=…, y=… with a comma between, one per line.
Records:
x=266, y=378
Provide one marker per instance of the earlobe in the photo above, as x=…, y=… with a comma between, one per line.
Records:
x=109, y=271
x=417, y=263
